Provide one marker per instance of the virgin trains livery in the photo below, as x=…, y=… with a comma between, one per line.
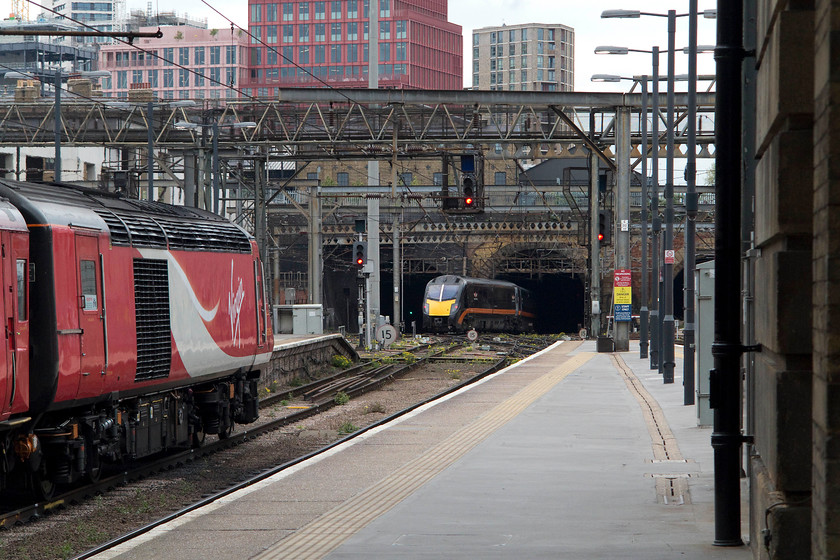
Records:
x=130, y=328
x=458, y=304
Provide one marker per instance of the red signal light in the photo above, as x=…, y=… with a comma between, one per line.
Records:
x=468, y=201
x=600, y=237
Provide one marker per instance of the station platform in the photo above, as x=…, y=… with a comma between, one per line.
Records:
x=568, y=454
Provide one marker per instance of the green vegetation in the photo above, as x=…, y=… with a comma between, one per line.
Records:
x=347, y=428
x=340, y=361
x=341, y=398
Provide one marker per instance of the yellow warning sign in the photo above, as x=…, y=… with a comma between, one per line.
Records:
x=622, y=295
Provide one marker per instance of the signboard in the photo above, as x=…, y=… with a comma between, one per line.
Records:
x=386, y=335
x=669, y=256
x=622, y=294
x=622, y=312
x=622, y=278
x=472, y=335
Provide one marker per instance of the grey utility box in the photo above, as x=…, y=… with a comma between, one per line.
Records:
x=704, y=280
x=299, y=319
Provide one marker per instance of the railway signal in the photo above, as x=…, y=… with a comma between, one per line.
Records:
x=360, y=253
x=468, y=189
x=605, y=227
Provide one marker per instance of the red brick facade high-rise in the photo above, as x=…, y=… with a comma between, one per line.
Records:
x=303, y=43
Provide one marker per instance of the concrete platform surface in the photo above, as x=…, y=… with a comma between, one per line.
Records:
x=567, y=454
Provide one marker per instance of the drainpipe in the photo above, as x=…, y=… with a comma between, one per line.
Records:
x=725, y=393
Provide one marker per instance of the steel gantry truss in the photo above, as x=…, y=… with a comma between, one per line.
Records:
x=309, y=124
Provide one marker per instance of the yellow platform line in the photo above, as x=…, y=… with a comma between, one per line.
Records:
x=328, y=532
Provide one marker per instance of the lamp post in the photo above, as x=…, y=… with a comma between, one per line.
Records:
x=653, y=314
x=667, y=334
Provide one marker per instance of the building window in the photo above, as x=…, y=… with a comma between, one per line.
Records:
x=303, y=11
x=271, y=57
x=352, y=53
x=230, y=77
x=168, y=78
x=343, y=179
x=215, y=75
x=384, y=8
x=437, y=179
x=353, y=31
x=320, y=10
x=152, y=78
x=319, y=54
x=168, y=56
x=271, y=34
x=303, y=33
x=122, y=79
x=230, y=55
x=401, y=51
x=335, y=32
x=384, y=29
x=184, y=56
x=320, y=32
x=335, y=10
x=401, y=29
x=183, y=78
x=198, y=79
x=256, y=35
x=500, y=178
x=256, y=56
x=198, y=56
x=335, y=53
x=288, y=11
x=303, y=55
x=215, y=55
x=288, y=55
x=384, y=53
x=524, y=35
x=256, y=13
x=271, y=12
x=352, y=9
x=136, y=76
x=288, y=33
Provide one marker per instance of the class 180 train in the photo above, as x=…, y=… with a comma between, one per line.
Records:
x=459, y=303
x=131, y=328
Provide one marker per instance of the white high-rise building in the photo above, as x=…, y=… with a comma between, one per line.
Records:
x=524, y=57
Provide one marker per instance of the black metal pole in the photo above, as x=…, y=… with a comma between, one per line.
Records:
x=656, y=222
x=667, y=333
x=690, y=210
x=57, y=128
x=644, y=314
x=150, y=159
x=725, y=390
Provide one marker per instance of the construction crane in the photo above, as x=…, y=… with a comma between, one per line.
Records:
x=20, y=9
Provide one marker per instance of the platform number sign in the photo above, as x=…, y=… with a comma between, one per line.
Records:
x=386, y=335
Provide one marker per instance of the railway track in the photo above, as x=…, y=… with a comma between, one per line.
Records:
x=318, y=397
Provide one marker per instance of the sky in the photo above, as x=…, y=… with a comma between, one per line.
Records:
x=584, y=17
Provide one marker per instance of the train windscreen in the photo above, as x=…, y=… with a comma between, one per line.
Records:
x=442, y=292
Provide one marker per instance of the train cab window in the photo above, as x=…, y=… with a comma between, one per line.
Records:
x=22, y=285
x=443, y=292
x=87, y=274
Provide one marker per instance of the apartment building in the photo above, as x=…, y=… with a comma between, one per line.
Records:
x=524, y=57
x=187, y=63
x=304, y=43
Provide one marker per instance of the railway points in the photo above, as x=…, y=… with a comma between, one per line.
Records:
x=569, y=453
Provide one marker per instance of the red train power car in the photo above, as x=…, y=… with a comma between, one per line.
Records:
x=130, y=328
